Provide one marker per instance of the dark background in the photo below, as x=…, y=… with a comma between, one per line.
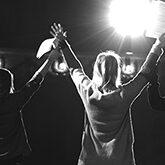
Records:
x=54, y=116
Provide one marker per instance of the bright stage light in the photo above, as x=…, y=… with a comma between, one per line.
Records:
x=128, y=69
x=59, y=66
x=128, y=17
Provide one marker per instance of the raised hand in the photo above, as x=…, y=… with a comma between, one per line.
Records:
x=58, y=33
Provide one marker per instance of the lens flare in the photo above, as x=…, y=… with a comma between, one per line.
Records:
x=129, y=17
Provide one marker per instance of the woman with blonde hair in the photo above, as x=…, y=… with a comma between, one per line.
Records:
x=108, y=134
x=107, y=70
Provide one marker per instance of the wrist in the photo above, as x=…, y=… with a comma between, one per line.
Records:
x=64, y=44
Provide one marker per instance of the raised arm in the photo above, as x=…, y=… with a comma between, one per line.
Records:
x=54, y=54
x=60, y=35
x=149, y=66
x=79, y=78
x=154, y=98
x=135, y=86
x=25, y=93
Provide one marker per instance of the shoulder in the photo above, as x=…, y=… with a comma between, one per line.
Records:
x=112, y=98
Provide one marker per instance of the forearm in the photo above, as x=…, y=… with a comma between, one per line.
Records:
x=71, y=59
x=43, y=69
x=149, y=65
x=46, y=65
x=154, y=98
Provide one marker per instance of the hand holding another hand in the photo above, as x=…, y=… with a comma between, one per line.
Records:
x=58, y=33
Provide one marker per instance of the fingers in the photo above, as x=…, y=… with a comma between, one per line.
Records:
x=54, y=35
x=57, y=31
x=56, y=28
x=60, y=28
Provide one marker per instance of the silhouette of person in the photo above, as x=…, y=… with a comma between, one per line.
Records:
x=14, y=145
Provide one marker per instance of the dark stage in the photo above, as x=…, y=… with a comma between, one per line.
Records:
x=54, y=119
x=54, y=116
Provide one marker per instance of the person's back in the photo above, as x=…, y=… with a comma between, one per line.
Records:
x=108, y=135
x=107, y=138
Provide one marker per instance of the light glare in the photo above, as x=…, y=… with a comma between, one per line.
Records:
x=128, y=17
x=60, y=66
x=128, y=69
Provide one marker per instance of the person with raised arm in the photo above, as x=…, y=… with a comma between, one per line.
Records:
x=108, y=134
x=14, y=145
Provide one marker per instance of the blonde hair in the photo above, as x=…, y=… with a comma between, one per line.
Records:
x=107, y=69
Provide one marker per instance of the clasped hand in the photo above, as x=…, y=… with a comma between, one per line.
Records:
x=59, y=35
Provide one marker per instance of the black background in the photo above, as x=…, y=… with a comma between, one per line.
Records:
x=54, y=116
